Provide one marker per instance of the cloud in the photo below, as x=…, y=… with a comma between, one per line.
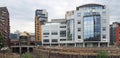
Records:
x=22, y=12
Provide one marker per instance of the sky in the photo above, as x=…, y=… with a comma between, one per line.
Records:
x=22, y=12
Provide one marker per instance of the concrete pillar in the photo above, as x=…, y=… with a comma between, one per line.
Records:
x=75, y=44
x=108, y=44
x=83, y=44
x=28, y=49
x=98, y=44
x=50, y=44
x=66, y=44
x=20, y=50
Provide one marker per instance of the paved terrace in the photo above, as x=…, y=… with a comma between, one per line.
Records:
x=71, y=52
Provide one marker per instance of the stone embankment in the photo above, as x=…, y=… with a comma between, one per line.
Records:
x=9, y=55
x=70, y=52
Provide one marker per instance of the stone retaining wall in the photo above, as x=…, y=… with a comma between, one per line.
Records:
x=60, y=52
x=9, y=55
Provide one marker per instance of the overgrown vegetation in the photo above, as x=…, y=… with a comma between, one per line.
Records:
x=27, y=55
x=102, y=54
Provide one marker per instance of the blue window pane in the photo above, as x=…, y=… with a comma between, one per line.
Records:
x=92, y=28
x=70, y=29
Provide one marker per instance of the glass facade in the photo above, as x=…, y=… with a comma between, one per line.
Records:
x=70, y=29
x=92, y=7
x=23, y=38
x=92, y=28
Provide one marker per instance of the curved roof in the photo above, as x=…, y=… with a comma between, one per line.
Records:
x=90, y=5
x=23, y=34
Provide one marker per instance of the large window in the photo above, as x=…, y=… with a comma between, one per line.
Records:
x=62, y=33
x=45, y=33
x=79, y=29
x=46, y=40
x=54, y=33
x=23, y=38
x=104, y=28
x=104, y=36
x=70, y=29
x=54, y=40
x=62, y=39
x=79, y=37
x=79, y=22
x=92, y=28
x=62, y=26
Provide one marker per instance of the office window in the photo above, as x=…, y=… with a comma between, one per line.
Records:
x=104, y=21
x=45, y=36
x=46, y=40
x=54, y=40
x=78, y=14
x=104, y=13
x=104, y=36
x=79, y=22
x=63, y=33
x=54, y=33
x=62, y=26
x=79, y=29
x=104, y=28
x=79, y=37
x=45, y=33
x=63, y=23
x=62, y=39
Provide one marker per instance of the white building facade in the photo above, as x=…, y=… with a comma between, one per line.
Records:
x=54, y=32
x=87, y=26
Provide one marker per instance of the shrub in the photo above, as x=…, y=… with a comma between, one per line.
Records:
x=27, y=55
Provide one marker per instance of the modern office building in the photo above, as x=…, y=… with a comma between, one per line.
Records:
x=24, y=39
x=14, y=36
x=90, y=25
x=4, y=25
x=25, y=43
x=54, y=32
x=41, y=17
x=14, y=40
x=87, y=26
x=115, y=33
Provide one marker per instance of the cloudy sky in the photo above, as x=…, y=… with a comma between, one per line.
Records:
x=22, y=12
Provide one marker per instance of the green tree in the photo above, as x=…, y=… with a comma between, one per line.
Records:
x=27, y=55
x=1, y=41
x=102, y=54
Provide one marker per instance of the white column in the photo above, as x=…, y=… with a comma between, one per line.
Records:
x=83, y=44
x=28, y=49
x=98, y=44
x=108, y=44
x=75, y=44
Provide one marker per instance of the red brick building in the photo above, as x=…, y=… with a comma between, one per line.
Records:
x=115, y=33
x=4, y=25
x=118, y=34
